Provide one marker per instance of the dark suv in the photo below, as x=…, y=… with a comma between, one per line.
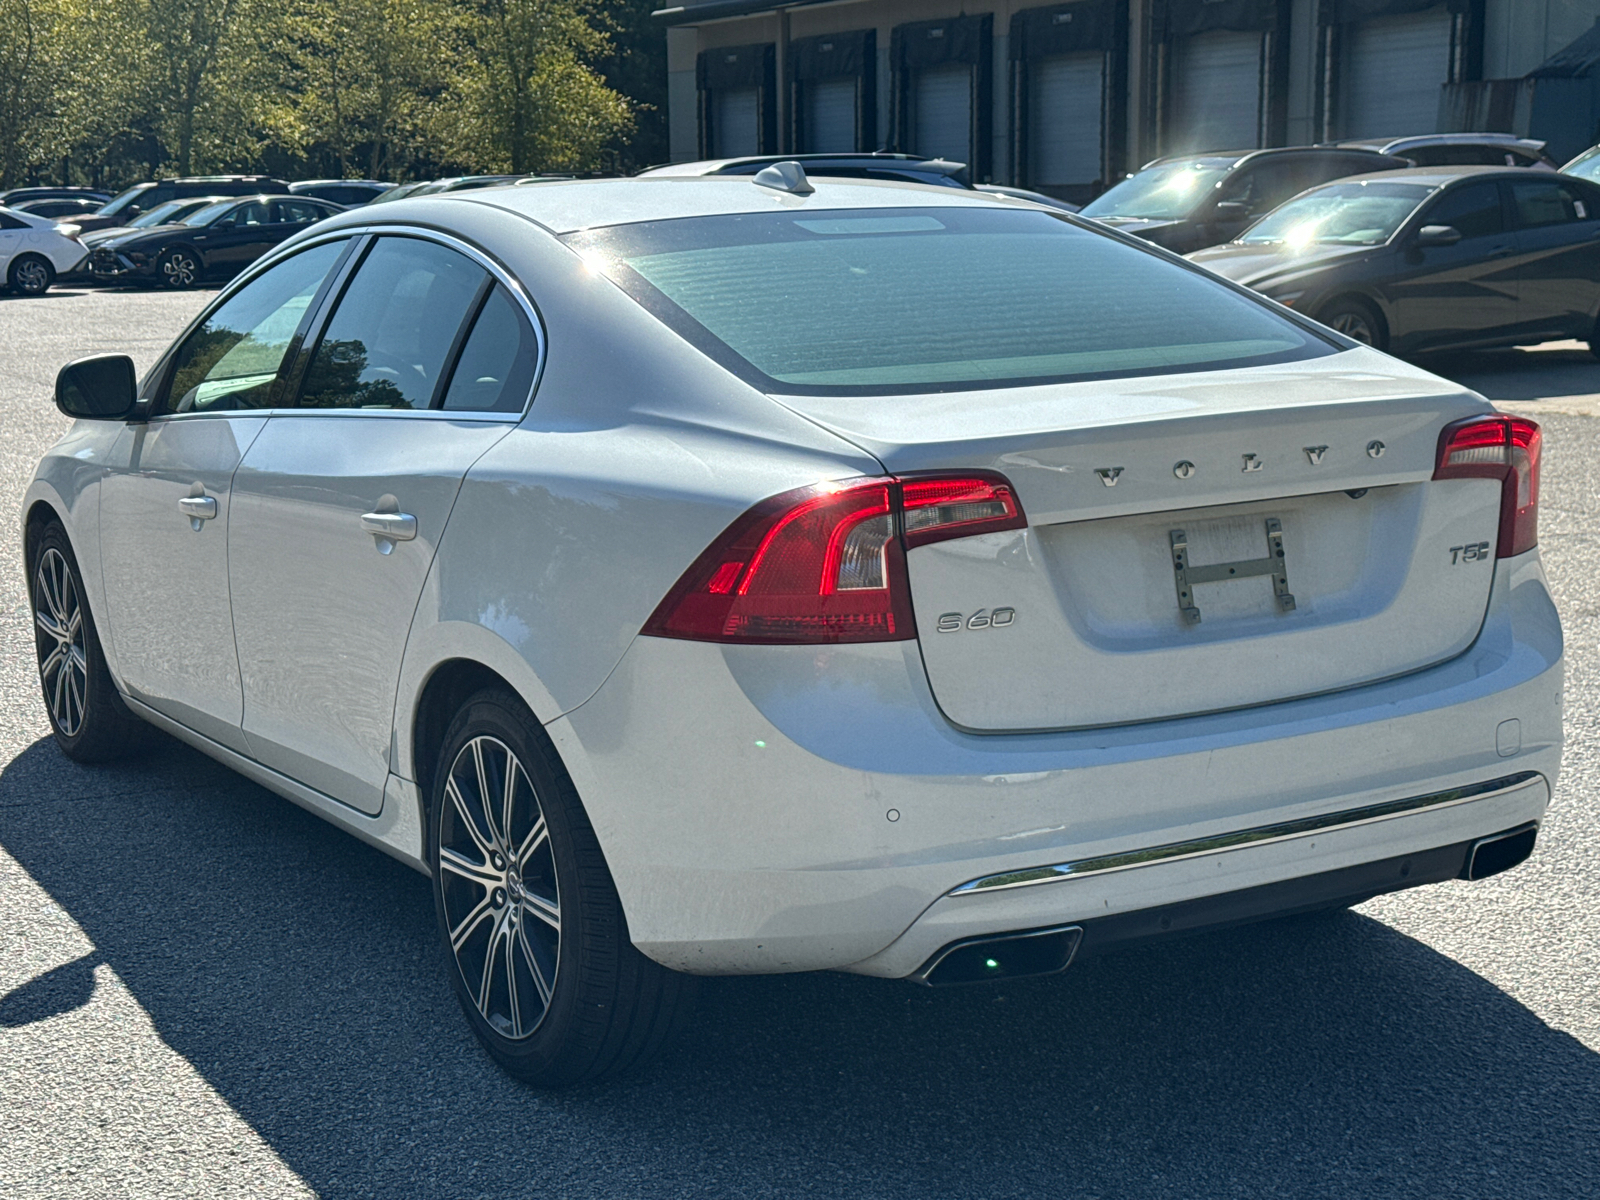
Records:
x=1191, y=201
x=142, y=197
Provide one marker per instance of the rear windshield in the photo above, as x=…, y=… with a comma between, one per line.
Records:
x=875, y=301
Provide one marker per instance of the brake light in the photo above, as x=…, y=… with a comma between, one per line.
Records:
x=826, y=564
x=1503, y=448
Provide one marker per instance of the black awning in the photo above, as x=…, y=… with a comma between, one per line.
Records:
x=1064, y=29
x=834, y=54
x=735, y=66
x=1184, y=18
x=936, y=43
x=1344, y=11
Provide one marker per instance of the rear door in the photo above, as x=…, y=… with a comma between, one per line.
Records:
x=425, y=362
x=166, y=500
x=1443, y=295
x=1558, y=240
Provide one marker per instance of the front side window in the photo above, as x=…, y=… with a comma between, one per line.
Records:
x=389, y=340
x=1540, y=202
x=230, y=362
x=1357, y=214
x=857, y=302
x=296, y=212
x=1474, y=210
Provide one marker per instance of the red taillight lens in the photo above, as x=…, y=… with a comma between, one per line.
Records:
x=827, y=563
x=1503, y=448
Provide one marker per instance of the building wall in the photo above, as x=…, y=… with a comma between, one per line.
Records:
x=1520, y=34
x=1516, y=35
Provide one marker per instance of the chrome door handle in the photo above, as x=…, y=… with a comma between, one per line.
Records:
x=197, y=509
x=397, y=527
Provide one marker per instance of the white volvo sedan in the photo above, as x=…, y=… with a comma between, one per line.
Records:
x=714, y=576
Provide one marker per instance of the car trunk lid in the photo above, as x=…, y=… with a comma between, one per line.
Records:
x=1195, y=542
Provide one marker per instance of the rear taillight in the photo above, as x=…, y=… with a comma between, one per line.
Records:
x=827, y=563
x=1503, y=448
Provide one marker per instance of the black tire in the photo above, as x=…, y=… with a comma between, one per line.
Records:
x=179, y=268
x=609, y=1008
x=90, y=722
x=1357, y=320
x=30, y=275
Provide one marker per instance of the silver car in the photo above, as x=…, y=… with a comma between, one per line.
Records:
x=718, y=576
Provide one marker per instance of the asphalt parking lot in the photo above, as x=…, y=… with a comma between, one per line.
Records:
x=205, y=991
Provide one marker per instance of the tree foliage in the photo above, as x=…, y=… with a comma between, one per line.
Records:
x=109, y=91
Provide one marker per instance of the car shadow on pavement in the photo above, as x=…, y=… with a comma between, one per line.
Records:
x=296, y=970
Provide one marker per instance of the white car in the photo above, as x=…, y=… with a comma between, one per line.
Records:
x=718, y=576
x=33, y=252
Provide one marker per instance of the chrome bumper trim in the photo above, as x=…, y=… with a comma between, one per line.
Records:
x=1030, y=876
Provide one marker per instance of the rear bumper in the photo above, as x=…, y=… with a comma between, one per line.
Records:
x=798, y=808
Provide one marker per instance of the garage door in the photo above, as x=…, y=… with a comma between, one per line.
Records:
x=943, y=106
x=1393, y=68
x=1064, y=121
x=736, y=122
x=831, y=115
x=1216, y=91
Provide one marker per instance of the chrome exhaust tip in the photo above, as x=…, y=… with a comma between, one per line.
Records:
x=1003, y=956
x=1491, y=855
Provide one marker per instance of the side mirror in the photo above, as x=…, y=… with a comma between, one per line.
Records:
x=102, y=388
x=1232, y=210
x=1438, y=235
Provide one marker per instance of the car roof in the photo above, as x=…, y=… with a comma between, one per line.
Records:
x=1399, y=145
x=566, y=206
x=308, y=183
x=1232, y=158
x=752, y=163
x=1437, y=176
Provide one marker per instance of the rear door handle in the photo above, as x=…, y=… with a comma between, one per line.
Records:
x=397, y=527
x=197, y=509
x=1501, y=252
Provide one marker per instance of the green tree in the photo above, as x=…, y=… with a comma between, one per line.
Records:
x=533, y=101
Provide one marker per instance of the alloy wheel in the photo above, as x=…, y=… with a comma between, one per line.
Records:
x=179, y=270
x=497, y=878
x=1355, y=327
x=63, y=657
x=31, y=277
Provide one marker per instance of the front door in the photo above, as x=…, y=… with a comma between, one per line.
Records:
x=239, y=238
x=165, y=502
x=338, y=509
x=1444, y=295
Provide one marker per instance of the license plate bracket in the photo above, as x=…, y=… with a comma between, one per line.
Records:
x=1187, y=575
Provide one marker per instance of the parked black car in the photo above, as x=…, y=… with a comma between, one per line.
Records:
x=217, y=241
x=1187, y=202
x=22, y=195
x=894, y=168
x=348, y=192
x=1435, y=258
x=57, y=207
x=142, y=197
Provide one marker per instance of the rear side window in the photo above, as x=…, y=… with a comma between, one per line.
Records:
x=389, y=339
x=231, y=361
x=1474, y=210
x=495, y=370
x=1548, y=202
x=10, y=222
x=857, y=302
